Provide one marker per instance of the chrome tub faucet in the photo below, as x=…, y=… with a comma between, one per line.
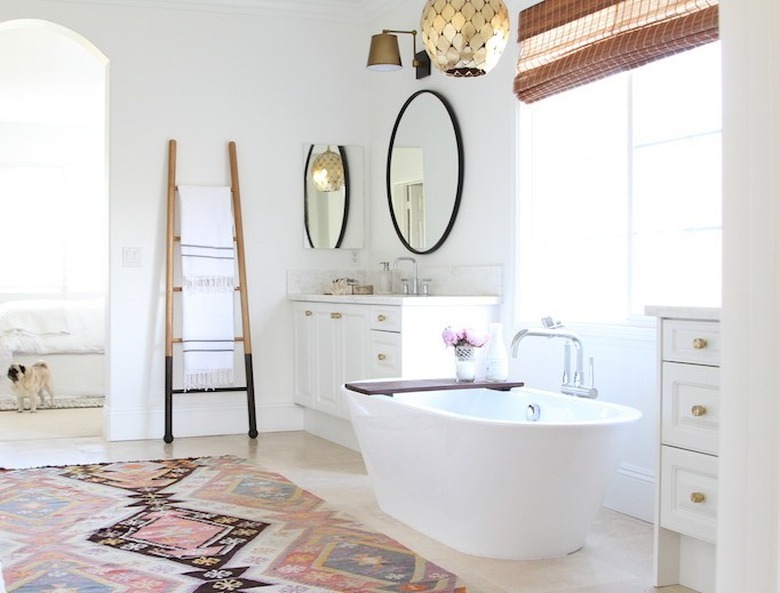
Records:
x=570, y=384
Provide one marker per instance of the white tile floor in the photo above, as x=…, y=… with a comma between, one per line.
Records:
x=616, y=559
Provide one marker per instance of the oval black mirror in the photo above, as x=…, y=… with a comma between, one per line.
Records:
x=325, y=202
x=424, y=172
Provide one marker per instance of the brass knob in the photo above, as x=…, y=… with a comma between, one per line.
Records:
x=699, y=344
x=380, y=317
x=381, y=356
x=308, y=313
x=697, y=497
x=335, y=315
x=698, y=410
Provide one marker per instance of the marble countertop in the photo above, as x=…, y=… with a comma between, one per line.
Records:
x=676, y=312
x=397, y=299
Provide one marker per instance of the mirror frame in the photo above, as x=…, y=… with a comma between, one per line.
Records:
x=345, y=218
x=459, y=188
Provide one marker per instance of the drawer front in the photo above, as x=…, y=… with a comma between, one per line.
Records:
x=690, y=406
x=689, y=493
x=385, y=354
x=385, y=318
x=697, y=342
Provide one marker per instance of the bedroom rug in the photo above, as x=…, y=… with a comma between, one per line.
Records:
x=8, y=403
x=200, y=525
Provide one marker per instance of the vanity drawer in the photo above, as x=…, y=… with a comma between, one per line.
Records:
x=696, y=342
x=385, y=318
x=385, y=354
x=690, y=406
x=689, y=500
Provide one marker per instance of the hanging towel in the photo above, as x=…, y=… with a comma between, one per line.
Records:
x=208, y=283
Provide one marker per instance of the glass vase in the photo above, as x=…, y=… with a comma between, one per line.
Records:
x=465, y=364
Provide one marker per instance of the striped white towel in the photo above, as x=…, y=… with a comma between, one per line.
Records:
x=208, y=273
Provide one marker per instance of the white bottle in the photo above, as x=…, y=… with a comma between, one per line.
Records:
x=496, y=358
x=385, y=279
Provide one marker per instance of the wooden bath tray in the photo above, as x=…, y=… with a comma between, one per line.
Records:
x=403, y=385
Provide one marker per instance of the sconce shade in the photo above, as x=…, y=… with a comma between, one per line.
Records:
x=465, y=38
x=327, y=171
x=384, y=54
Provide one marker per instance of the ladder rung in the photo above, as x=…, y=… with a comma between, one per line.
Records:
x=178, y=237
x=178, y=289
x=216, y=389
x=180, y=340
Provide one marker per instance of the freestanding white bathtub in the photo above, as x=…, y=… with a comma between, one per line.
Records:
x=471, y=468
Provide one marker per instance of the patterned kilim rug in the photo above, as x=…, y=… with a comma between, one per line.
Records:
x=204, y=525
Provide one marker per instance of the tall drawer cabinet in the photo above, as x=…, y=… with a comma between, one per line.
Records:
x=687, y=470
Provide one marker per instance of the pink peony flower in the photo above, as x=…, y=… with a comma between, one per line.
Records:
x=464, y=337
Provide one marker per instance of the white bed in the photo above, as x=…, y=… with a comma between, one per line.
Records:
x=68, y=334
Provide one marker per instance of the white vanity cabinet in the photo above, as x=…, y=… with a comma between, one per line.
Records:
x=339, y=339
x=687, y=478
x=330, y=346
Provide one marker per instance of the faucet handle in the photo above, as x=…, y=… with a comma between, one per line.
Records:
x=550, y=323
x=405, y=285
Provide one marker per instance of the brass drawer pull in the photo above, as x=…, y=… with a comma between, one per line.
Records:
x=697, y=497
x=308, y=313
x=381, y=318
x=698, y=410
x=699, y=344
x=335, y=315
x=381, y=356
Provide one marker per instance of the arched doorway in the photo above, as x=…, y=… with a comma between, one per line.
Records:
x=54, y=228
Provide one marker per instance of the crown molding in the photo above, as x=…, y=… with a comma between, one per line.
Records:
x=345, y=11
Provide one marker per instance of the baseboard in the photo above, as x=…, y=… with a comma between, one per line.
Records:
x=631, y=491
x=331, y=428
x=199, y=419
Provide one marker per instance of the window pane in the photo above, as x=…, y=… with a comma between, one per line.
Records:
x=577, y=208
x=678, y=96
x=682, y=268
x=677, y=185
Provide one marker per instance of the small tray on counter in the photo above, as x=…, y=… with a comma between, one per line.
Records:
x=406, y=385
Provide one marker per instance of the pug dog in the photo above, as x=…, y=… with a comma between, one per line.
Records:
x=30, y=382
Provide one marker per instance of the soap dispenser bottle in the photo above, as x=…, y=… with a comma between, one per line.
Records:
x=385, y=280
x=496, y=358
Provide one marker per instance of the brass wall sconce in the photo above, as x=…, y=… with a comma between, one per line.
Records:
x=384, y=55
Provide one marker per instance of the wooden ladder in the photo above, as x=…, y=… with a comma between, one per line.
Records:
x=170, y=340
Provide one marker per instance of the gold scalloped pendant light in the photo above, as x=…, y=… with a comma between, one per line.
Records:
x=465, y=38
x=327, y=171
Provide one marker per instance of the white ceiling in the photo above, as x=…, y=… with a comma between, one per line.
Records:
x=349, y=11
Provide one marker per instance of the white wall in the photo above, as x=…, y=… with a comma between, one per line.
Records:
x=270, y=84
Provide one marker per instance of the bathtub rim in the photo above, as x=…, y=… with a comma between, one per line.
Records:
x=627, y=414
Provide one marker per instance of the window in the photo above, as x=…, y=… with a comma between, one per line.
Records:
x=619, y=199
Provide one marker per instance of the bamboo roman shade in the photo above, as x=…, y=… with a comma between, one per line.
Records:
x=568, y=43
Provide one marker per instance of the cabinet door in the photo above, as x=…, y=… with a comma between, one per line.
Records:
x=305, y=345
x=342, y=345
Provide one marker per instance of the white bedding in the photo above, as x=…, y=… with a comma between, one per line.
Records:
x=52, y=327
